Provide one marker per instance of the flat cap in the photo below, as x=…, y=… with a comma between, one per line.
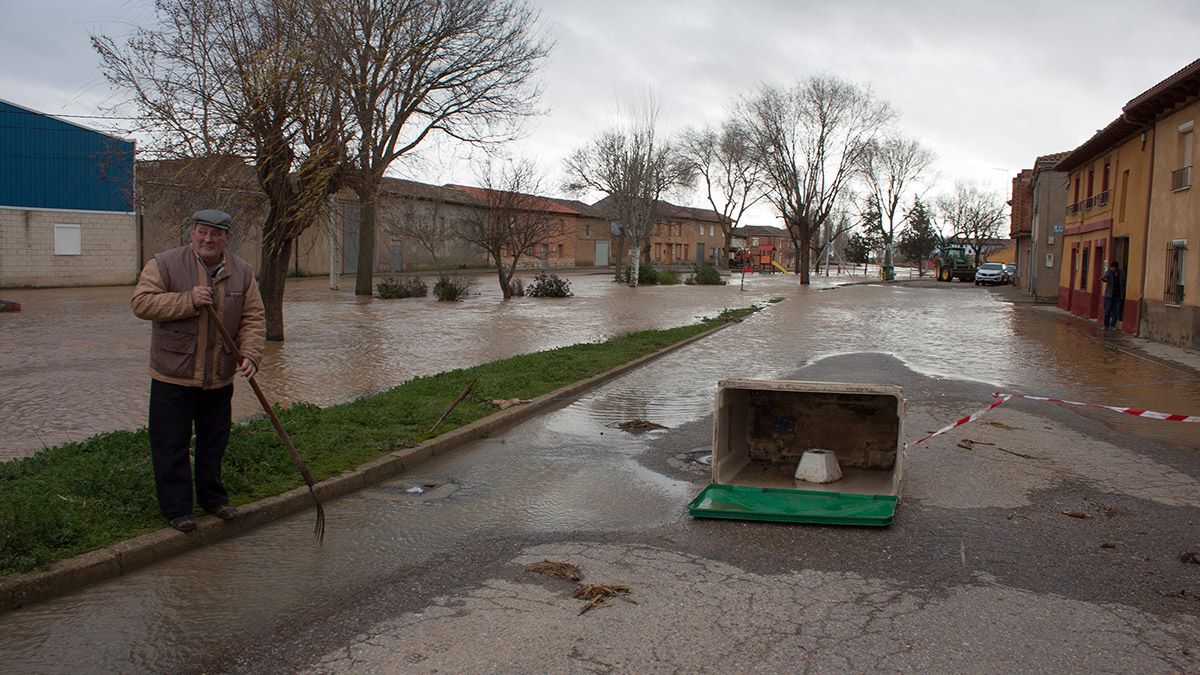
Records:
x=213, y=218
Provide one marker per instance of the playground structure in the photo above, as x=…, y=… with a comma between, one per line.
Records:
x=759, y=259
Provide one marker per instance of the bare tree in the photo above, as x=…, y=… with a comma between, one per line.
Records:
x=217, y=78
x=514, y=222
x=892, y=167
x=427, y=228
x=730, y=179
x=461, y=68
x=633, y=168
x=973, y=214
x=808, y=141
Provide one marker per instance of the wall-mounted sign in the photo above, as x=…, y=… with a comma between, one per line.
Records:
x=1058, y=228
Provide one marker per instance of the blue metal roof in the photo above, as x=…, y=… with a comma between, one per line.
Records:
x=49, y=163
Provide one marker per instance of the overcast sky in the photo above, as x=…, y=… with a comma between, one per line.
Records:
x=987, y=85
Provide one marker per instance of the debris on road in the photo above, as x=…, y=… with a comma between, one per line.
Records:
x=1017, y=454
x=554, y=568
x=597, y=595
x=968, y=444
x=1190, y=557
x=639, y=426
x=1109, y=544
x=506, y=403
x=454, y=405
x=1077, y=514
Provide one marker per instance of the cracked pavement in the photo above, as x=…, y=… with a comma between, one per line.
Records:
x=702, y=615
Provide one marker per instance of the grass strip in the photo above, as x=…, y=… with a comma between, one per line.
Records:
x=82, y=496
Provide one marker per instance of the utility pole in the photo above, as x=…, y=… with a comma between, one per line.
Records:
x=334, y=277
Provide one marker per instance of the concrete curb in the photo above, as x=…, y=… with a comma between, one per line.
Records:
x=19, y=590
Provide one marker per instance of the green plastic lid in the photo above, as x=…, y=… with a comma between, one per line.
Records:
x=783, y=505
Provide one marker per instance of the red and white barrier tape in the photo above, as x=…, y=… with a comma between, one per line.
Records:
x=1136, y=412
x=1005, y=397
x=969, y=418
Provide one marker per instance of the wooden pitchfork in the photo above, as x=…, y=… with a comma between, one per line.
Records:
x=319, y=528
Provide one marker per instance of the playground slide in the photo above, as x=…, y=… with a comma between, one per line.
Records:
x=780, y=267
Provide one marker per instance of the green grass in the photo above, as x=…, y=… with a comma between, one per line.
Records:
x=79, y=497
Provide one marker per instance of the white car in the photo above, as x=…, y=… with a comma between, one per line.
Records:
x=991, y=273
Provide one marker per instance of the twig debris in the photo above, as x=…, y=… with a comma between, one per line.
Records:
x=597, y=595
x=638, y=426
x=554, y=568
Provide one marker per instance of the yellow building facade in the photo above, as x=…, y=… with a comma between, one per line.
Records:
x=1107, y=195
x=1130, y=199
x=1173, y=238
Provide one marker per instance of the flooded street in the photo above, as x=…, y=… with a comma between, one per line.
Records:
x=566, y=472
x=74, y=360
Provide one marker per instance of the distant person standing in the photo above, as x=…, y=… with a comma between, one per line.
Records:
x=1114, y=294
x=191, y=372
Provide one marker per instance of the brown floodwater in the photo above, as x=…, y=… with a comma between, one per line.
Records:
x=567, y=471
x=74, y=361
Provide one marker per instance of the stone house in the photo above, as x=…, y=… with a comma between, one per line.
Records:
x=594, y=245
x=681, y=235
x=558, y=250
x=1038, y=212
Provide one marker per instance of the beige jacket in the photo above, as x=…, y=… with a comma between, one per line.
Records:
x=185, y=347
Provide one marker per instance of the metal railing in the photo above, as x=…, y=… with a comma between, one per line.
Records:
x=1181, y=178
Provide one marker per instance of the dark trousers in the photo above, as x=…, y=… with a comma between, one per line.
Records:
x=174, y=409
x=1112, y=311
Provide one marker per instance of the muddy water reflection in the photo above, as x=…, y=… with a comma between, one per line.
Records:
x=564, y=472
x=943, y=332
x=73, y=362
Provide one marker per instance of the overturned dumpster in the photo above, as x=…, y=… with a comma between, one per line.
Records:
x=805, y=452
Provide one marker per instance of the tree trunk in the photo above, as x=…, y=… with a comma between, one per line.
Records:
x=272, y=277
x=505, y=279
x=728, y=246
x=635, y=262
x=619, y=258
x=805, y=254
x=365, y=277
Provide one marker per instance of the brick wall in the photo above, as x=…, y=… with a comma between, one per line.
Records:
x=1022, y=203
x=108, y=250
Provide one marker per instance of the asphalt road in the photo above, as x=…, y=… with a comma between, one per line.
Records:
x=981, y=572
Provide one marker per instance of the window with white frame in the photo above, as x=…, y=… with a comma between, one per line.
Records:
x=1181, y=178
x=1176, y=257
x=68, y=239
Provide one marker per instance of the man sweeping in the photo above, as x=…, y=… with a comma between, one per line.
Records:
x=191, y=371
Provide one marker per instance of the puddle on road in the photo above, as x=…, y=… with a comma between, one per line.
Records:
x=957, y=335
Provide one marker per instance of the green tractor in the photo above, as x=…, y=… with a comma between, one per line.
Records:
x=955, y=261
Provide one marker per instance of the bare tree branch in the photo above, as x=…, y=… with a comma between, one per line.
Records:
x=632, y=167
x=412, y=68
x=807, y=141
x=730, y=179
x=514, y=222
